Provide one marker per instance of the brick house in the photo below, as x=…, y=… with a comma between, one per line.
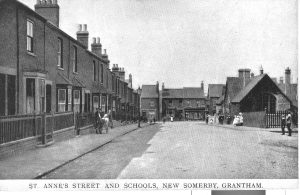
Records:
x=186, y=103
x=43, y=69
x=215, y=91
x=150, y=101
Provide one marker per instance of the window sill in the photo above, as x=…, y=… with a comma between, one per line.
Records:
x=59, y=68
x=75, y=72
x=31, y=54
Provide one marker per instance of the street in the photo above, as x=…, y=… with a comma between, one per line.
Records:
x=189, y=150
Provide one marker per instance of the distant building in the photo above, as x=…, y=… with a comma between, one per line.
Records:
x=247, y=93
x=150, y=101
x=186, y=103
x=215, y=91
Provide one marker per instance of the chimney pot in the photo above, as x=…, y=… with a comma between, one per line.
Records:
x=104, y=51
x=79, y=27
x=94, y=40
x=38, y=2
x=49, y=2
x=54, y=2
x=98, y=40
x=85, y=27
x=287, y=75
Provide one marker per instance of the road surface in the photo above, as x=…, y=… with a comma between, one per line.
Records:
x=189, y=150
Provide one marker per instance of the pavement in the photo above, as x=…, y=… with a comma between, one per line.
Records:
x=40, y=161
x=230, y=126
x=108, y=161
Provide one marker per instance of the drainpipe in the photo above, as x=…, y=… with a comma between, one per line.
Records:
x=18, y=65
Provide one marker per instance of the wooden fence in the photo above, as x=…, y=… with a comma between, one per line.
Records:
x=14, y=128
x=273, y=120
x=84, y=119
x=254, y=119
x=42, y=126
x=263, y=119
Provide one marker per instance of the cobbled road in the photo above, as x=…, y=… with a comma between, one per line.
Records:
x=189, y=150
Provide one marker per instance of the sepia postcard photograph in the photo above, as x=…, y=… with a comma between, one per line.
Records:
x=149, y=94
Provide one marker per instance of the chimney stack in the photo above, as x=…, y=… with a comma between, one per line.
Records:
x=115, y=69
x=83, y=35
x=130, y=80
x=245, y=75
x=122, y=74
x=49, y=9
x=287, y=75
x=252, y=75
x=162, y=86
x=96, y=46
x=104, y=55
x=202, y=85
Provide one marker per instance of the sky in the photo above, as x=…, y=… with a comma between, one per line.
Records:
x=184, y=42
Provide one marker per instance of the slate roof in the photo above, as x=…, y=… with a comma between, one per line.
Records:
x=62, y=79
x=78, y=83
x=254, y=81
x=172, y=93
x=193, y=92
x=149, y=91
x=186, y=92
x=215, y=90
x=234, y=85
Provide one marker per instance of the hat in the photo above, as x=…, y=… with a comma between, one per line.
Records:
x=240, y=113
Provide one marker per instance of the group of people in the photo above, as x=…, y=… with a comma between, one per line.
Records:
x=238, y=120
x=102, y=119
x=286, y=121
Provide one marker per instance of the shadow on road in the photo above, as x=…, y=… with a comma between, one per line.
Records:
x=108, y=161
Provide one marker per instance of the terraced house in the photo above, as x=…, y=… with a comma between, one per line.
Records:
x=45, y=70
x=187, y=103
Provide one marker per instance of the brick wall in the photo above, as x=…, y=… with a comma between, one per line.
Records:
x=282, y=103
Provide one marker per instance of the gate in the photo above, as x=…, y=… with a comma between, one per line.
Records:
x=273, y=120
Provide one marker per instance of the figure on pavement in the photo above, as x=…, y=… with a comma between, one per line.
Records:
x=238, y=120
x=97, y=120
x=289, y=123
x=110, y=119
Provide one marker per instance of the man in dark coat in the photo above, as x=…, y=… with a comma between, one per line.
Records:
x=289, y=123
x=97, y=120
x=110, y=119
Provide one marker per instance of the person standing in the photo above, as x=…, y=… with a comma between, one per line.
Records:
x=110, y=119
x=283, y=124
x=97, y=120
x=289, y=123
x=241, y=119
